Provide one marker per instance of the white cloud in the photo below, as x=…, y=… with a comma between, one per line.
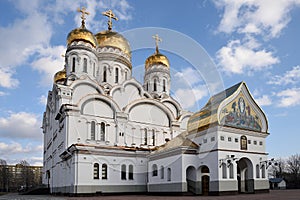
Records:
x=189, y=76
x=21, y=39
x=95, y=21
x=14, y=152
x=263, y=101
x=21, y=125
x=289, y=97
x=3, y=94
x=48, y=61
x=6, y=79
x=188, y=97
x=255, y=16
x=289, y=77
x=238, y=57
x=43, y=100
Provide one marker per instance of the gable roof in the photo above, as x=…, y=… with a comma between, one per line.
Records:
x=208, y=115
x=179, y=141
x=276, y=180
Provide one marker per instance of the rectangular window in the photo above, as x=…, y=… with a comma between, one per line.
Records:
x=104, y=171
x=130, y=173
x=169, y=174
x=229, y=139
x=236, y=139
x=249, y=141
x=260, y=143
x=204, y=140
x=255, y=142
x=222, y=138
x=212, y=139
x=123, y=172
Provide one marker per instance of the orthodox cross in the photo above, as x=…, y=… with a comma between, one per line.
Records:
x=157, y=40
x=83, y=13
x=110, y=16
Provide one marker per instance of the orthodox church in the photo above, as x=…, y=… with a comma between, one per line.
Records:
x=104, y=132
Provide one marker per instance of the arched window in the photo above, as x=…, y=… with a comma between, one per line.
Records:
x=96, y=171
x=123, y=172
x=153, y=137
x=162, y=172
x=116, y=75
x=147, y=86
x=263, y=171
x=164, y=85
x=102, y=131
x=257, y=171
x=231, y=170
x=145, y=136
x=73, y=64
x=104, y=171
x=243, y=142
x=93, y=130
x=104, y=74
x=155, y=85
x=169, y=174
x=126, y=75
x=130, y=172
x=85, y=65
x=154, y=170
x=224, y=170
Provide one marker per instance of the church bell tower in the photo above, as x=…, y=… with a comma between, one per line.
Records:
x=157, y=73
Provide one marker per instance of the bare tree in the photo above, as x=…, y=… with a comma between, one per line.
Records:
x=26, y=174
x=293, y=167
x=279, y=168
x=3, y=175
x=293, y=164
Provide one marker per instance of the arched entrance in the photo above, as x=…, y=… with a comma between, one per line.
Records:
x=191, y=180
x=245, y=176
x=205, y=180
x=48, y=178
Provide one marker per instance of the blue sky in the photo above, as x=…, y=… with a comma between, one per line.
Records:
x=248, y=40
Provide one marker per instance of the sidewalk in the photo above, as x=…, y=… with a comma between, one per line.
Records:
x=273, y=195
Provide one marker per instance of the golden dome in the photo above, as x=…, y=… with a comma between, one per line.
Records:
x=157, y=58
x=112, y=39
x=81, y=34
x=60, y=76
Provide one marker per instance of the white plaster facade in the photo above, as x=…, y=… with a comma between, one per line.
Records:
x=104, y=132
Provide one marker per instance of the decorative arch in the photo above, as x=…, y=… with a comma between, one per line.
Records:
x=191, y=179
x=173, y=103
x=109, y=102
x=245, y=175
x=88, y=83
x=124, y=84
x=159, y=105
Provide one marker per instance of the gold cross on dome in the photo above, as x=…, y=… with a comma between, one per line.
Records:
x=110, y=16
x=157, y=40
x=83, y=13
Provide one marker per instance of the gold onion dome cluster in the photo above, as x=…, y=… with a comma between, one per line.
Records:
x=81, y=34
x=110, y=38
x=157, y=58
x=60, y=76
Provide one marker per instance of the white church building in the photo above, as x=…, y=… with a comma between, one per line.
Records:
x=104, y=132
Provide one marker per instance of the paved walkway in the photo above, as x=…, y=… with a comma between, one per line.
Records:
x=273, y=195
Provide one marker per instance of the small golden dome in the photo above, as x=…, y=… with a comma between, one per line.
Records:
x=60, y=76
x=157, y=58
x=81, y=34
x=112, y=39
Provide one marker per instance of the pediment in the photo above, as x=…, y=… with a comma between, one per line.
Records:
x=241, y=111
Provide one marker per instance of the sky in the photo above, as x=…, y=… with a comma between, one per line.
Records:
x=247, y=40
